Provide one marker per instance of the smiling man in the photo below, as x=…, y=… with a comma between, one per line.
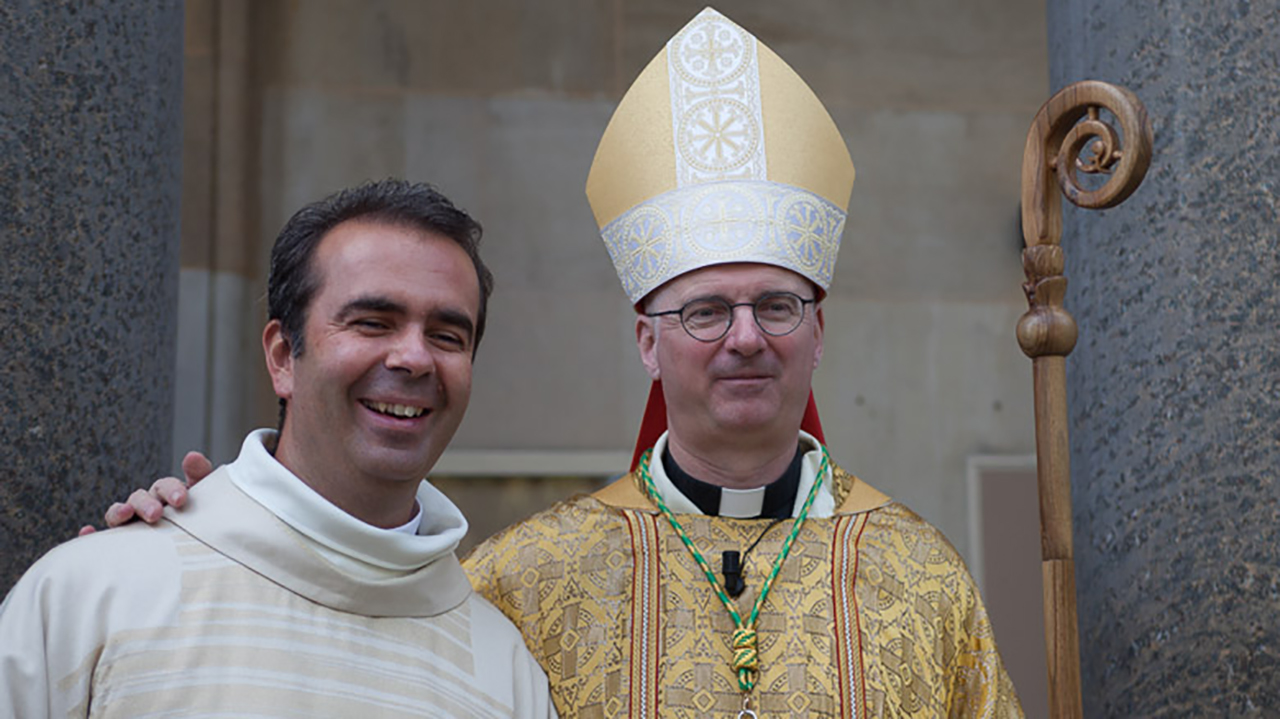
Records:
x=377, y=380
x=735, y=390
x=315, y=575
x=737, y=568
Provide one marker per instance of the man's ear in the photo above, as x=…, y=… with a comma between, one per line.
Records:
x=647, y=343
x=279, y=356
x=818, y=329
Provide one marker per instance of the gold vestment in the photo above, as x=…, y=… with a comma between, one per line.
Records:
x=872, y=615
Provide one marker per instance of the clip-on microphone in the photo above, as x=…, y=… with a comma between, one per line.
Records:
x=732, y=568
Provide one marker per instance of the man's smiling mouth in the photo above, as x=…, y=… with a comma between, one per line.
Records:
x=395, y=410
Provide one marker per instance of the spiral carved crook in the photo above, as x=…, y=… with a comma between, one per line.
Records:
x=1055, y=141
x=1067, y=124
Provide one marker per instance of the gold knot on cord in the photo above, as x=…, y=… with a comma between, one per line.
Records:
x=746, y=660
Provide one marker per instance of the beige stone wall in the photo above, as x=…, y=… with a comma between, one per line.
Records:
x=221, y=389
x=501, y=103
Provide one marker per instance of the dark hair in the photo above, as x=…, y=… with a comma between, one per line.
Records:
x=292, y=281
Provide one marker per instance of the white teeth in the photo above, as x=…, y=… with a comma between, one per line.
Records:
x=398, y=410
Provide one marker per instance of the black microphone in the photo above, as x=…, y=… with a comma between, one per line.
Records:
x=732, y=569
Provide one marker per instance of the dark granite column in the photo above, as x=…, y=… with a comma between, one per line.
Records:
x=1175, y=384
x=90, y=160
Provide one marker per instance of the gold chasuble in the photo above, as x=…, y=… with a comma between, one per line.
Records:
x=872, y=615
x=719, y=153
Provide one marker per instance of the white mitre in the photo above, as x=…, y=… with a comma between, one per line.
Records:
x=719, y=153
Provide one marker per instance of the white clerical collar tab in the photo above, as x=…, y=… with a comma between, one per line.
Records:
x=741, y=503
x=411, y=527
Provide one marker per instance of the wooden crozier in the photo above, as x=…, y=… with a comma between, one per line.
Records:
x=1068, y=122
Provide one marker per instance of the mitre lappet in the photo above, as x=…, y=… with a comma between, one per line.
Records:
x=718, y=153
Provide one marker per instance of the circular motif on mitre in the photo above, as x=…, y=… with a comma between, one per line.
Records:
x=711, y=52
x=718, y=135
x=723, y=222
x=646, y=243
x=807, y=228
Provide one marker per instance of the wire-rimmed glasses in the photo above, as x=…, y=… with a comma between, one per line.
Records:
x=707, y=319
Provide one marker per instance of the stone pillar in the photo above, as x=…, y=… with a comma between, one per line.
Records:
x=90, y=160
x=1174, y=385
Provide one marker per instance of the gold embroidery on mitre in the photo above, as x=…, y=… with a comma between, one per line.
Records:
x=719, y=153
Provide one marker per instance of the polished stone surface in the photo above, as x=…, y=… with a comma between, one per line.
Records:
x=90, y=154
x=1175, y=383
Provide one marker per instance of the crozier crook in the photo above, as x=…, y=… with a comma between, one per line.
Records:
x=1068, y=125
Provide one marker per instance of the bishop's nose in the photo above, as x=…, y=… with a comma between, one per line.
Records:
x=744, y=336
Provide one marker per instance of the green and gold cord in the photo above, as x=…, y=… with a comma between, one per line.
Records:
x=746, y=658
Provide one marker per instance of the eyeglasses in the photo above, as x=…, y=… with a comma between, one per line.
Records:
x=708, y=319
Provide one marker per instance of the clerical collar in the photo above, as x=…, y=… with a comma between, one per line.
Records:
x=411, y=527
x=775, y=500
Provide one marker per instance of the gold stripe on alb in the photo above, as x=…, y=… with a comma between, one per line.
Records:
x=844, y=574
x=643, y=669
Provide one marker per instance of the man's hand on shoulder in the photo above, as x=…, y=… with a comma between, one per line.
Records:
x=148, y=504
